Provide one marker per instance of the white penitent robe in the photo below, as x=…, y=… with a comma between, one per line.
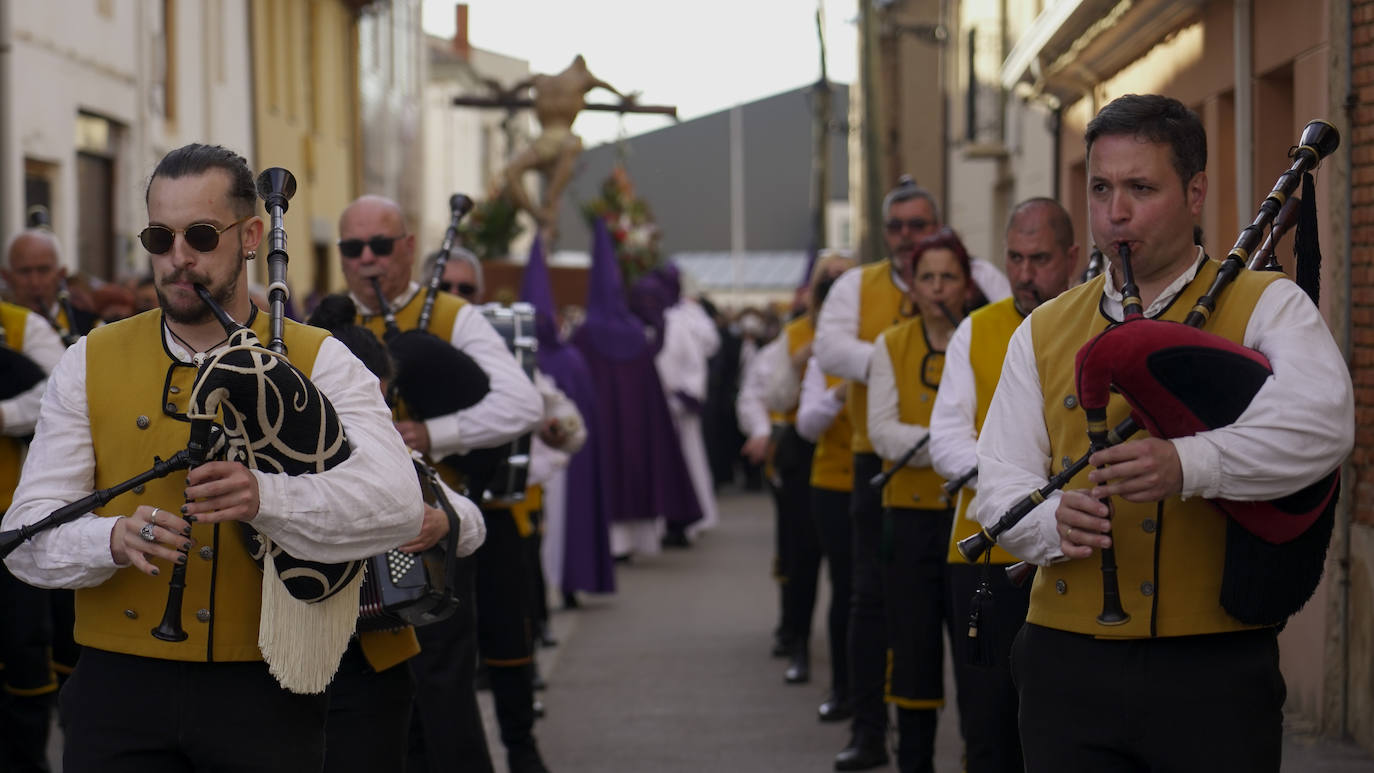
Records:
x=689, y=340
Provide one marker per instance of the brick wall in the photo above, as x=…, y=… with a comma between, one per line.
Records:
x=1362, y=257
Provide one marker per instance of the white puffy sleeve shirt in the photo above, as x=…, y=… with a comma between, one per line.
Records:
x=837, y=347
x=19, y=414
x=890, y=437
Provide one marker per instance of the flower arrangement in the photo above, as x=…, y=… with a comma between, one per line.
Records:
x=630, y=222
x=492, y=225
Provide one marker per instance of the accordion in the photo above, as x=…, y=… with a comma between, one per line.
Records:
x=401, y=589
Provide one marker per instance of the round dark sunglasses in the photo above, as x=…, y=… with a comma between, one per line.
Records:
x=202, y=237
x=381, y=246
x=464, y=289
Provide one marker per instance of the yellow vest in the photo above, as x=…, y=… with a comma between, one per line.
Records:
x=130, y=379
x=880, y=307
x=521, y=511
x=12, y=319
x=990, y=333
x=1169, y=554
x=832, y=465
x=912, y=488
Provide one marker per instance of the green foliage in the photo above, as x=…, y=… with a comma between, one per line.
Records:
x=630, y=222
x=489, y=229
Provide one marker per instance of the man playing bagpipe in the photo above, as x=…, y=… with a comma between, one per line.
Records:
x=1040, y=256
x=378, y=253
x=1179, y=669
x=201, y=697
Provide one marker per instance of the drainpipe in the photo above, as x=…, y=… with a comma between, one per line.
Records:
x=1348, y=473
x=7, y=212
x=1245, y=114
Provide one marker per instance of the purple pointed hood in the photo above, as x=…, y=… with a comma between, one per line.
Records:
x=610, y=328
x=536, y=290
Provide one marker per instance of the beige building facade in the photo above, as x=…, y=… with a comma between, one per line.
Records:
x=84, y=119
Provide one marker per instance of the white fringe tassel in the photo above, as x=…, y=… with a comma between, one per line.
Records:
x=304, y=643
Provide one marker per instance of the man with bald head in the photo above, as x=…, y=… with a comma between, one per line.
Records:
x=378, y=252
x=26, y=634
x=1040, y=258
x=34, y=274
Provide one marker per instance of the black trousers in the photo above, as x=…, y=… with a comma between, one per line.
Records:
x=987, y=697
x=446, y=726
x=127, y=714
x=369, y=716
x=504, y=631
x=1183, y=703
x=867, y=616
x=916, y=543
x=26, y=703
x=830, y=510
x=801, y=563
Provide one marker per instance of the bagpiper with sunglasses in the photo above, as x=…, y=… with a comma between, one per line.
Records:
x=117, y=398
x=374, y=243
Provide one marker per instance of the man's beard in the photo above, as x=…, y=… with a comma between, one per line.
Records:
x=197, y=312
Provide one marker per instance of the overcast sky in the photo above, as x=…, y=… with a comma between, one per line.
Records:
x=701, y=56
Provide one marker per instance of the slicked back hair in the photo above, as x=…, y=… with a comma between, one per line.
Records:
x=196, y=159
x=906, y=190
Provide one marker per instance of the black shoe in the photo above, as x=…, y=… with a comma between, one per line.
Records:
x=570, y=600
x=799, y=670
x=861, y=755
x=675, y=539
x=835, y=709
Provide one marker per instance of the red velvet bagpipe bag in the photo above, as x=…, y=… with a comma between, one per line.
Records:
x=1181, y=380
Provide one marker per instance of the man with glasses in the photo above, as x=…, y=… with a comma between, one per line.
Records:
x=863, y=302
x=119, y=397
x=35, y=275
x=27, y=632
x=375, y=244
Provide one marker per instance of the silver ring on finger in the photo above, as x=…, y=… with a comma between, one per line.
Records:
x=147, y=532
x=152, y=517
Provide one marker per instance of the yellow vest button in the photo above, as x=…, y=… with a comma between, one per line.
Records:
x=171, y=407
x=1067, y=461
x=1147, y=588
x=1061, y=587
x=1148, y=525
x=203, y=615
x=140, y=488
x=207, y=552
x=142, y=422
x=1070, y=402
x=176, y=390
x=131, y=614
